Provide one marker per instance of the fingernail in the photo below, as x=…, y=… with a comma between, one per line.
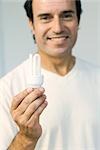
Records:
x=29, y=90
x=41, y=89
x=45, y=96
x=46, y=102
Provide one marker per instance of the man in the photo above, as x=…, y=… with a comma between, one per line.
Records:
x=70, y=118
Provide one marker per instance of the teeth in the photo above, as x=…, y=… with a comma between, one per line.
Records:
x=57, y=37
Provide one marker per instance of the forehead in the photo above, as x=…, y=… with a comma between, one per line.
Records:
x=52, y=5
x=52, y=1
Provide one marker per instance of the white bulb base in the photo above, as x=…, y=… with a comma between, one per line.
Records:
x=36, y=81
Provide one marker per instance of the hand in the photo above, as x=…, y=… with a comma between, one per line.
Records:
x=26, y=109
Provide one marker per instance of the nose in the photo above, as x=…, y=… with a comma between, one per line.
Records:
x=58, y=26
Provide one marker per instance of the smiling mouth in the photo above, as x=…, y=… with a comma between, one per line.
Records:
x=58, y=37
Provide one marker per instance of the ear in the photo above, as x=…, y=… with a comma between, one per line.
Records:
x=78, y=28
x=31, y=26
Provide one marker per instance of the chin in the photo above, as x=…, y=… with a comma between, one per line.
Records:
x=59, y=54
x=56, y=52
x=61, y=51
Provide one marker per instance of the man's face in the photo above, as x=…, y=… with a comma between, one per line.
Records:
x=55, y=26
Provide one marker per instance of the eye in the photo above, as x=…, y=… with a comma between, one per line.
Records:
x=67, y=16
x=45, y=18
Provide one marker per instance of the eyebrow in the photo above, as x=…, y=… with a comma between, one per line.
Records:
x=43, y=14
x=69, y=11
x=47, y=14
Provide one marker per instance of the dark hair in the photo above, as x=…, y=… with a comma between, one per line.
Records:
x=28, y=8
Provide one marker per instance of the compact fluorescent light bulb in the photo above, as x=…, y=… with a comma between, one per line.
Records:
x=36, y=79
x=36, y=65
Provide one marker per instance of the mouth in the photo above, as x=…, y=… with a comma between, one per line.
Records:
x=57, y=37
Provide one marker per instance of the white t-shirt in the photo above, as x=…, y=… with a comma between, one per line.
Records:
x=71, y=120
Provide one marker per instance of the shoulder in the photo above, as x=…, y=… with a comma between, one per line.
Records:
x=15, y=72
x=89, y=70
x=87, y=66
x=14, y=80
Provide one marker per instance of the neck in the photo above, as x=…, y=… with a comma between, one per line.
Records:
x=59, y=65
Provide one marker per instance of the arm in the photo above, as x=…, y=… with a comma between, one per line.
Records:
x=22, y=143
x=26, y=109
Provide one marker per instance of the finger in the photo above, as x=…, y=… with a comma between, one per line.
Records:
x=40, y=109
x=34, y=106
x=19, y=97
x=35, y=117
x=29, y=99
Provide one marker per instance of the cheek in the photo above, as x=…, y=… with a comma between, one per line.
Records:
x=39, y=36
x=39, y=29
x=74, y=31
x=73, y=26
